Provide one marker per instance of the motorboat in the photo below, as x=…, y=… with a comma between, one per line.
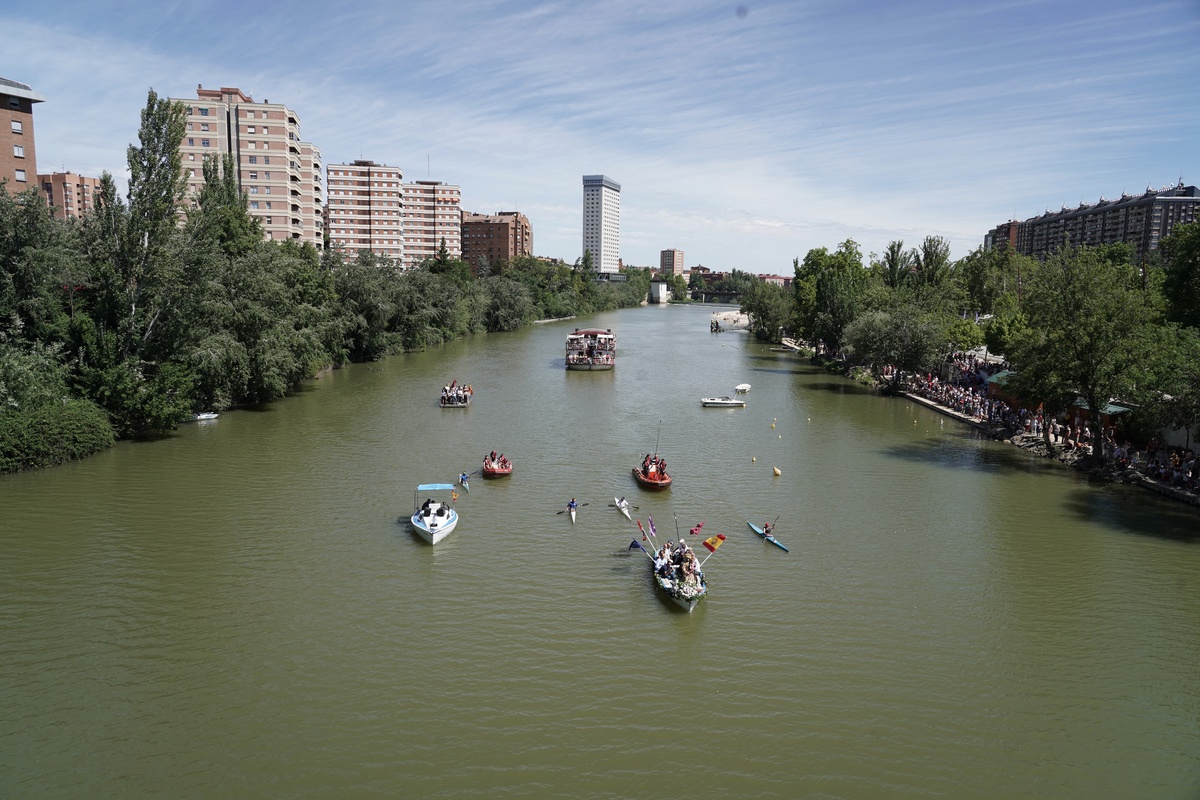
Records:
x=653, y=473
x=741, y=388
x=496, y=468
x=725, y=401
x=203, y=415
x=434, y=519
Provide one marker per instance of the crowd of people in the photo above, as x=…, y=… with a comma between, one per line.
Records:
x=678, y=564
x=654, y=467
x=456, y=395
x=492, y=461
x=965, y=392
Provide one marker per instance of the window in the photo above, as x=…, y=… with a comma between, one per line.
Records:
x=204, y=112
x=254, y=204
x=268, y=204
x=265, y=131
x=189, y=126
x=253, y=176
x=266, y=159
x=251, y=145
x=18, y=151
x=191, y=156
x=191, y=142
x=204, y=142
x=203, y=126
x=270, y=220
x=253, y=190
x=268, y=190
x=17, y=126
x=253, y=159
x=250, y=129
x=266, y=176
x=21, y=175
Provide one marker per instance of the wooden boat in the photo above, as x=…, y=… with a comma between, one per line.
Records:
x=722, y=402
x=455, y=396
x=434, y=520
x=591, y=349
x=622, y=505
x=768, y=537
x=684, y=591
x=496, y=469
x=654, y=480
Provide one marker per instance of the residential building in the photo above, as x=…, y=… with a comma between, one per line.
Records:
x=670, y=262
x=1139, y=220
x=69, y=195
x=497, y=237
x=365, y=211
x=432, y=215
x=18, y=156
x=280, y=173
x=602, y=222
x=1002, y=237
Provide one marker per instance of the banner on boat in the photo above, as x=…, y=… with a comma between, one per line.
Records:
x=713, y=542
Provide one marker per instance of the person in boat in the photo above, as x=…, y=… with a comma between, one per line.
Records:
x=571, y=506
x=767, y=529
x=462, y=477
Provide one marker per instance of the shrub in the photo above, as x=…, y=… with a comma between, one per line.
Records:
x=52, y=434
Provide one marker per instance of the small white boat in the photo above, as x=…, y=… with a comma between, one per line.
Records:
x=434, y=520
x=623, y=506
x=205, y=415
x=742, y=388
x=724, y=401
x=572, y=516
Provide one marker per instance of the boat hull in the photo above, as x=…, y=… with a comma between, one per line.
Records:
x=436, y=531
x=589, y=367
x=722, y=402
x=496, y=473
x=770, y=539
x=687, y=603
x=650, y=483
x=572, y=516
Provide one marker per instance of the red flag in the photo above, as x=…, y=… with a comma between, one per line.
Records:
x=696, y=529
x=640, y=528
x=713, y=542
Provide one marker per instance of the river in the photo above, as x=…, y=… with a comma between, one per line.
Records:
x=240, y=610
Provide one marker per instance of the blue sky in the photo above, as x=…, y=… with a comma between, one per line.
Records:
x=744, y=133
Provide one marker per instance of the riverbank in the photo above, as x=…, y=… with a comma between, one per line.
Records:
x=1037, y=446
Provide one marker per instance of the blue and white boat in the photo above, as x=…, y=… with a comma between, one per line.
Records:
x=434, y=519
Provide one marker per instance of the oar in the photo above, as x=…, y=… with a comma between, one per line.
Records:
x=581, y=505
x=630, y=507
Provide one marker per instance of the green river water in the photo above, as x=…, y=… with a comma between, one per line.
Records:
x=240, y=609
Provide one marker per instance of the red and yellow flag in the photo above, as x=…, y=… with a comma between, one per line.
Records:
x=713, y=542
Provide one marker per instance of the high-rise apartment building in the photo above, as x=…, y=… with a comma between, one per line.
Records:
x=18, y=157
x=281, y=174
x=602, y=222
x=365, y=210
x=670, y=262
x=1139, y=220
x=69, y=195
x=498, y=237
x=432, y=215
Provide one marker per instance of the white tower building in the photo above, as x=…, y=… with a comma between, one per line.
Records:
x=602, y=221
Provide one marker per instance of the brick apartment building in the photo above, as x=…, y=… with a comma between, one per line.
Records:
x=497, y=237
x=70, y=196
x=280, y=173
x=670, y=262
x=432, y=214
x=18, y=156
x=365, y=209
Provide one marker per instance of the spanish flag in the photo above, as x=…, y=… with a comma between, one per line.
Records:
x=713, y=542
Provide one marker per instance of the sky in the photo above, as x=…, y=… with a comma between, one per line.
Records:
x=743, y=133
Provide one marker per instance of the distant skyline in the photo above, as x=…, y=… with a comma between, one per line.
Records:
x=745, y=134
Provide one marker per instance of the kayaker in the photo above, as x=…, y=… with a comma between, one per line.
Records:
x=571, y=506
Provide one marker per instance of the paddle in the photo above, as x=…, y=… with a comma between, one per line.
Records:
x=630, y=507
x=581, y=505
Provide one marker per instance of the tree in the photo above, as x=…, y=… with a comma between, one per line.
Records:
x=223, y=213
x=769, y=308
x=839, y=284
x=904, y=338
x=1089, y=327
x=1181, y=283
x=896, y=266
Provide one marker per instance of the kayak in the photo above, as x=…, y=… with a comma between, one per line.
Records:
x=463, y=481
x=624, y=509
x=572, y=516
x=768, y=537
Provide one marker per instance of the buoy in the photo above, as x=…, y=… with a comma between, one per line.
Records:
x=777, y=472
x=753, y=459
x=772, y=426
x=781, y=436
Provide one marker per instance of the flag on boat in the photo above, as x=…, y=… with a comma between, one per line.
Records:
x=638, y=545
x=696, y=529
x=640, y=528
x=650, y=520
x=713, y=542
x=453, y=495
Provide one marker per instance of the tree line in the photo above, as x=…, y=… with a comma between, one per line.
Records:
x=1084, y=326
x=151, y=308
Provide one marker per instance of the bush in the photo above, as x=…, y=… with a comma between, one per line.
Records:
x=52, y=434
